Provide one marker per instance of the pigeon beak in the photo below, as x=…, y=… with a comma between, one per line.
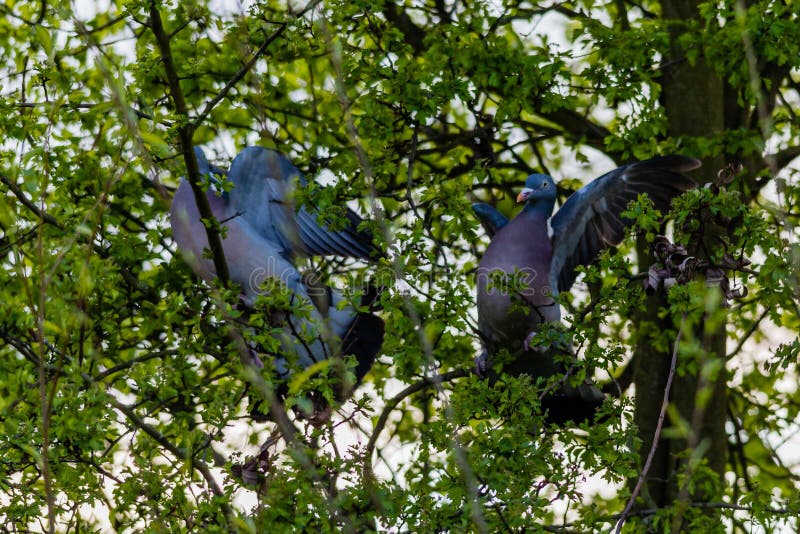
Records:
x=524, y=194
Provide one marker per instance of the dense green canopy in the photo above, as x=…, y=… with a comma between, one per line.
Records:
x=124, y=397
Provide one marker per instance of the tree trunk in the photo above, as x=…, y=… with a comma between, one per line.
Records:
x=693, y=97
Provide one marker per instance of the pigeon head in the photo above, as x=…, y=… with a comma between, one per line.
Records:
x=537, y=186
x=539, y=192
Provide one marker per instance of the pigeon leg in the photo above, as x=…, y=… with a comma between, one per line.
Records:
x=482, y=364
x=256, y=361
x=529, y=340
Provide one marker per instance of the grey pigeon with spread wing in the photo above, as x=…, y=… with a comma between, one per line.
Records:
x=264, y=231
x=536, y=256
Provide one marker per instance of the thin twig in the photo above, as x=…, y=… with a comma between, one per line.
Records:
x=392, y=403
x=45, y=407
x=236, y=78
x=278, y=414
x=181, y=454
x=656, y=434
x=747, y=335
x=459, y=454
x=89, y=105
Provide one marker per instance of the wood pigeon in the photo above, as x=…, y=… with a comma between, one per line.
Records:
x=533, y=257
x=264, y=231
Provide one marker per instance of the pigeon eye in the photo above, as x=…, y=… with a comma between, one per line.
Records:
x=545, y=184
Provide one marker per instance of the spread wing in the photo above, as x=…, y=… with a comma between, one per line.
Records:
x=264, y=181
x=590, y=220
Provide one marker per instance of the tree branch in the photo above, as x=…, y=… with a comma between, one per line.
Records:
x=580, y=127
x=197, y=464
x=236, y=78
x=392, y=403
x=785, y=156
x=88, y=105
x=28, y=203
x=413, y=33
x=747, y=335
x=185, y=133
x=619, y=385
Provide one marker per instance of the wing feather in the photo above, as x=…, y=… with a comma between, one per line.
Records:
x=263, y=185
x=590, y=220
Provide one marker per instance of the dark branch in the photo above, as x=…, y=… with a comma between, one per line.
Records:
x=579, y=127
x=28, y=203
x=185, y=133
x=785, y=156
x=413, y=33
x=88, y=105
